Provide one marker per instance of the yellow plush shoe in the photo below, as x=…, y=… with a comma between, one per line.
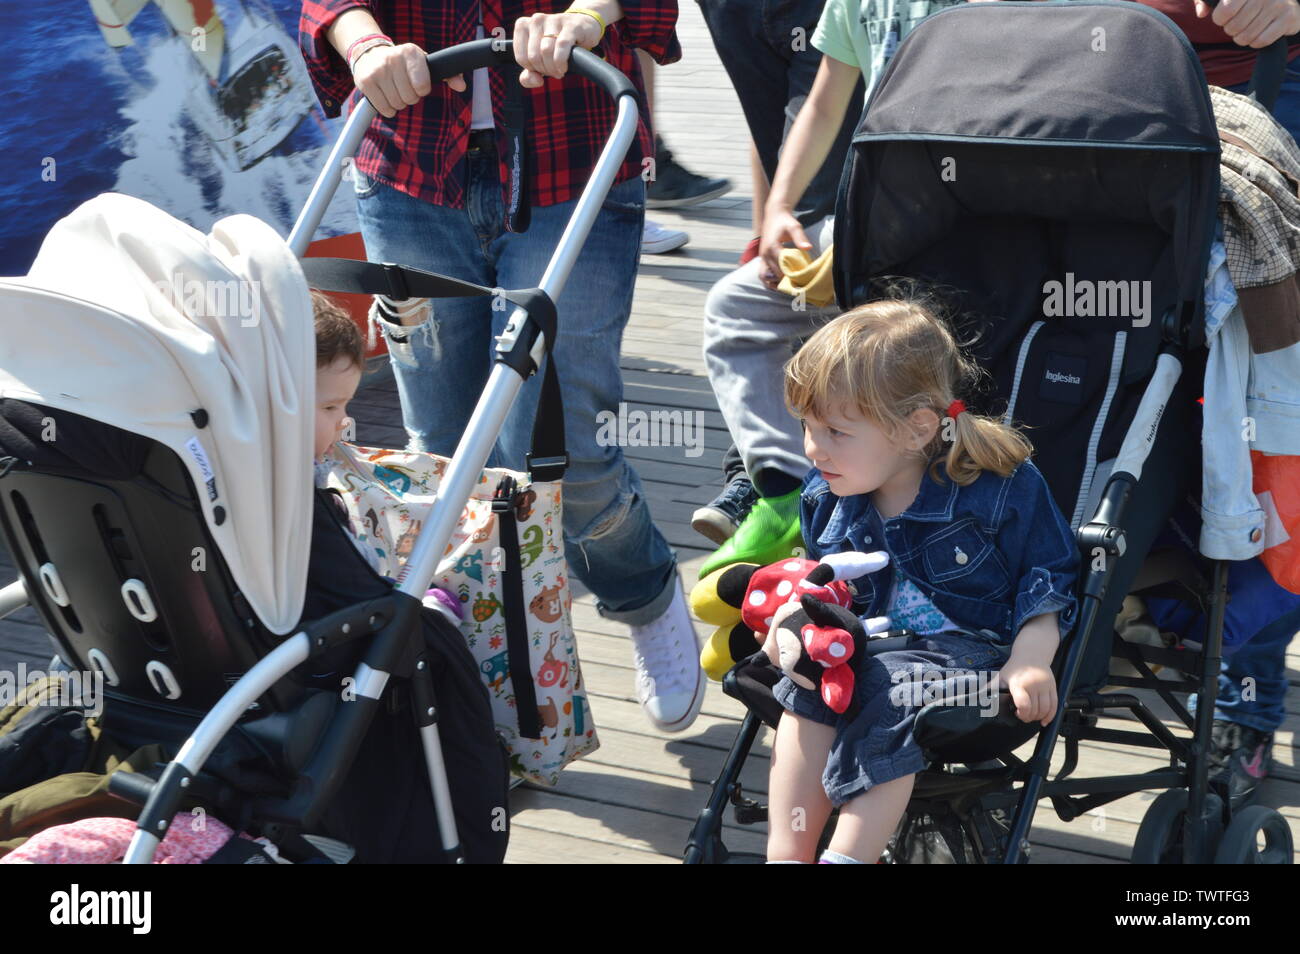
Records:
x=727, y=646
x=718, y=597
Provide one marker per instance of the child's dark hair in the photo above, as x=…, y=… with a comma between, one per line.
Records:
x=888, y=359
x=337, y=336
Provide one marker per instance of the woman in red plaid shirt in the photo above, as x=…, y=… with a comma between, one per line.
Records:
x=439, y=188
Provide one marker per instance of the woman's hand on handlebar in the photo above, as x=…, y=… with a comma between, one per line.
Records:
x=543, y=42
x=1253, y=23
x=394, y=77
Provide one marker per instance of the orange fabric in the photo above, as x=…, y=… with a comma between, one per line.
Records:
x=1278, y=477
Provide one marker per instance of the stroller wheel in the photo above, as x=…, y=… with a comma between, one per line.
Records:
x=1256, y=836
x=1160, y=836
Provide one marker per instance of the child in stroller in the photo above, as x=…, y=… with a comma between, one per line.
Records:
x=987, y=587
x=340, y=362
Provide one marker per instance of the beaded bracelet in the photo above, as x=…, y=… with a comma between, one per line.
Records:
x=352, y=55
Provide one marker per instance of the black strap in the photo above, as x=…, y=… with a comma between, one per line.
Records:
x=547, y=458
x=1270, y=66
x=1270, y=71
x=521, y=672
x=514, y=121
x=397, y=281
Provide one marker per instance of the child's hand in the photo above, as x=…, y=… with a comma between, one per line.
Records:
x=779, y=226
x=1033, y=690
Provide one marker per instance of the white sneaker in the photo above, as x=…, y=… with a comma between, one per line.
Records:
x=669, y=681
x=655, y=239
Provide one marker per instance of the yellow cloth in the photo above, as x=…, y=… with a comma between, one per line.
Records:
x=810, y=276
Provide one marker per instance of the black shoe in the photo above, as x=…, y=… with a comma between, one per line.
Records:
x=1240, y=758
x=675, y=186
x=719, y=518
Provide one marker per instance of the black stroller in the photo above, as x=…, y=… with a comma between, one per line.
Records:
x=1009, y=146
x=105, y=526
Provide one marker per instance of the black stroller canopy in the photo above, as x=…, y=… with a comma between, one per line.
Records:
x=1010, y=144
x=1020, y=71
x=1013, y=154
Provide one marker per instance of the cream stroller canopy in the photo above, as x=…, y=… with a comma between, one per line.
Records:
x=131, y=317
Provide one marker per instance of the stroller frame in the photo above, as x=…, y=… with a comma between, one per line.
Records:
x=391, y=622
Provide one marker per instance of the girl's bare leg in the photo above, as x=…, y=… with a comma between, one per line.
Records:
x=866, y=822
x=797, y=804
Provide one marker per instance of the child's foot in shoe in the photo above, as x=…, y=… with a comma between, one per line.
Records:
x=1240, y=757
x=719, y=518
x=669, y=681
x=768, y=534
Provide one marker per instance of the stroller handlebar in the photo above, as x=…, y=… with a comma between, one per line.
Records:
x=454, y=60
x=466, y=57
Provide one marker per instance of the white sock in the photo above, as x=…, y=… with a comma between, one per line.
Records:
x=785, y=862
x=835, y=858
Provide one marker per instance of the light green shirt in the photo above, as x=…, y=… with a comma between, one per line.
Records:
x=865, y=33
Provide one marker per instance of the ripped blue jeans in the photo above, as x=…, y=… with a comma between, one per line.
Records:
x=612, y=545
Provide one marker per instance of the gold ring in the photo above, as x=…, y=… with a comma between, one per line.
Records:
x=551, y=35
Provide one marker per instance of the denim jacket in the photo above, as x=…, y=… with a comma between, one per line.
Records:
x=989, y=555
x=1233, y=524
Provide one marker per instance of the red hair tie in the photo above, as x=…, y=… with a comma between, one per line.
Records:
x=955, y=408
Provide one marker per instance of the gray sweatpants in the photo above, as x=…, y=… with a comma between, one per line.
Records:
x=750, y=332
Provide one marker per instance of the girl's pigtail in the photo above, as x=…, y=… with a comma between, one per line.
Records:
x=982, y=443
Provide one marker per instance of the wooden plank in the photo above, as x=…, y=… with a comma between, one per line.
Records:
x=682, y=473
x=699, y=758
x=1042, y=854
x=613, y=827
x=654, y=397
x=613, y=703
x=687, y=384
x=676, y=801
x=532, y=843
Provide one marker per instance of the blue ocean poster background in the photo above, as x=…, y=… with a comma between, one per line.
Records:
x=201, y=107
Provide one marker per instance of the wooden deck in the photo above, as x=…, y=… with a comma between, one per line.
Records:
x=635, y=799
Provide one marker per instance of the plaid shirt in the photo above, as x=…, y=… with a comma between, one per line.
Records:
x=421, y=151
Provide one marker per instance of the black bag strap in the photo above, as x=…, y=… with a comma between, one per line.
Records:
x=547, y=459
x=521, y=672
